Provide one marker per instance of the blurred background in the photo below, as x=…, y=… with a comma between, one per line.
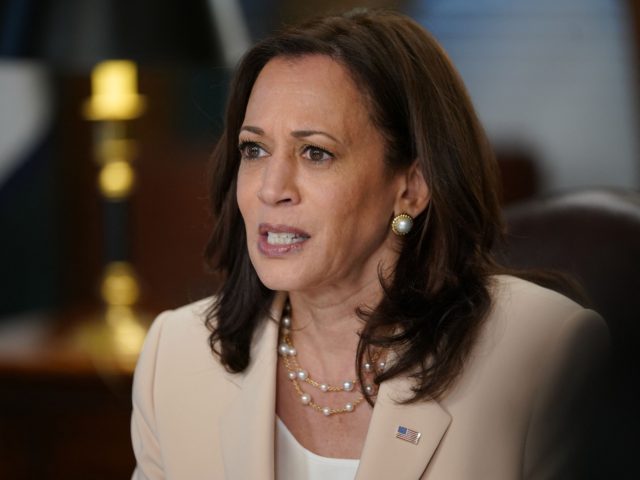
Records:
x=110, y=108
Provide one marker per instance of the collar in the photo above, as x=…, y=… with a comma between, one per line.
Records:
x=247, y=428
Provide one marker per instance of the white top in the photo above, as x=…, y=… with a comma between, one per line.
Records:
x=294, y=462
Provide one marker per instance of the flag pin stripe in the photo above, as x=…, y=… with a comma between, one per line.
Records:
x=408, y=435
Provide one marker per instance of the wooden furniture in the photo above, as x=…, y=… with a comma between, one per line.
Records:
x=64, y=413
x=594, y=235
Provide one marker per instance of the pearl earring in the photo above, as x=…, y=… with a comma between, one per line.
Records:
x=402, y=224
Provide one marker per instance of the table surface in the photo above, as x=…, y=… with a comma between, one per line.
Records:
x=66, y=398
x=76, y=343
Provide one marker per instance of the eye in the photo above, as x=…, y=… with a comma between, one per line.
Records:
x=251, y=150
x=316, y=154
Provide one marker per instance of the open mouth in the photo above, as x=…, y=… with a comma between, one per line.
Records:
x=280, y=239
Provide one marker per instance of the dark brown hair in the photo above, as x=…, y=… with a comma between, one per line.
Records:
x=434, y=304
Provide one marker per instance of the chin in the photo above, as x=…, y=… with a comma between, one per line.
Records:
x=277, y=282
x=273, y=276
x=281, y=276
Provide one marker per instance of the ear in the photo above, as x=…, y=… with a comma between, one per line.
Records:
x=414, y=194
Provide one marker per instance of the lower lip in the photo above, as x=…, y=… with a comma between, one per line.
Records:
x=277, y=250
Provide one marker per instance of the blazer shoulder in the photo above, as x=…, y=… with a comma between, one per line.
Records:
x=511, y=290
x=176, y=339
x=526, y=305
x=527, y=322
x=177, y=372
x=187, y=316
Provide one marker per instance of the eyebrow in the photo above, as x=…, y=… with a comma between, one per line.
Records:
x=295, y=134
x=308, y=133
x=249, y=128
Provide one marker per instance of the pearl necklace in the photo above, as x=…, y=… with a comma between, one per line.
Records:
x=296, y=373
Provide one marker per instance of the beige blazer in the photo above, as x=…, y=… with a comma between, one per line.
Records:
x=502, y=419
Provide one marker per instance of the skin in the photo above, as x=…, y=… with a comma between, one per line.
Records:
x=313, y=160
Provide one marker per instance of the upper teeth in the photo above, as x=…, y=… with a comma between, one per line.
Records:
x=274, y=238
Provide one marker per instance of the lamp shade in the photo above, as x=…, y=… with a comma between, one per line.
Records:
x=77, y=34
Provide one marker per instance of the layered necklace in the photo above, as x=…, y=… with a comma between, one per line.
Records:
x=299, y=375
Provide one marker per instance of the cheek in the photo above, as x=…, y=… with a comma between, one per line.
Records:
x=375, y=198
x=244, y=194
x=360, y=217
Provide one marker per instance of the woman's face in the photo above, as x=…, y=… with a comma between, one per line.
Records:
x=313, y=189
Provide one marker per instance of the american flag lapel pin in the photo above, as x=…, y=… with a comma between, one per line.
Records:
x=408, y=435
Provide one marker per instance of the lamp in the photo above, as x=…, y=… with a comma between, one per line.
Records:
x=114, y=101
x=112, y=38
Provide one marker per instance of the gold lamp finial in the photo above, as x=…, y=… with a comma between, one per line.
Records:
x=114, y=85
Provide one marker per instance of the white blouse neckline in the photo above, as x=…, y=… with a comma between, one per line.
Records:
x=295, y=461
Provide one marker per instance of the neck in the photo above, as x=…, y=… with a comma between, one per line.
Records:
x=326, y=327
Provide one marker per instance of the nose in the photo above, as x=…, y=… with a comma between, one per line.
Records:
x=279, y=186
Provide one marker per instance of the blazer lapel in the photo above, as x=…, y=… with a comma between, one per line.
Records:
x=385, y=456
x=247, y=430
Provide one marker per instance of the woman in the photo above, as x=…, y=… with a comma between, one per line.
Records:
x=363, y=329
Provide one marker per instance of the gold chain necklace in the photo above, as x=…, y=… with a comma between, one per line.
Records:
x=297, y=374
